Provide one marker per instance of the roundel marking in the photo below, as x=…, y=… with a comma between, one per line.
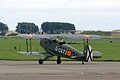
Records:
x=69, y=53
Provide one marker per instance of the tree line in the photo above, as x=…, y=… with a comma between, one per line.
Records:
x=47, y=27
x=101, y=33
x=25, y=27
x=3, y=28
x=57, y=27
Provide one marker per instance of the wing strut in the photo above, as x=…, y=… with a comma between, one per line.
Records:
x=27, y=46
x=85, y=42
x=30, y=46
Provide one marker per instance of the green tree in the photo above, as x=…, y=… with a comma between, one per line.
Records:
x=3, y=28
x=57, y=27
x=25, y=27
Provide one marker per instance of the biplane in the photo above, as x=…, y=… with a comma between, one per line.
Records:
x=55, y=45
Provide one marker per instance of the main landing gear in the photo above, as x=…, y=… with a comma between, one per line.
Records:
x=59, y=60
x=42, y=60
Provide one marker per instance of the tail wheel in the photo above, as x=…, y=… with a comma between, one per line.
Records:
x=82, y=62
x=40, y=61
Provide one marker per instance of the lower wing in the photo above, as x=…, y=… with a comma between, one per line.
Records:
x=35, y=53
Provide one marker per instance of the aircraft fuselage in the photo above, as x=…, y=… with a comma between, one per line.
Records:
x=60, y=49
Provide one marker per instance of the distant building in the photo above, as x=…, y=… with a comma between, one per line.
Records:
x=78, y=31
x=115, y=33
x=11, y=33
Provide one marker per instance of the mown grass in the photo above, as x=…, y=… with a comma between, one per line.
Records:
x=7, y=51
x=111, y=51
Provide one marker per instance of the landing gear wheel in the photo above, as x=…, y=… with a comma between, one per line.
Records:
x=59, y=61
x=40, y=61
x=82, y=62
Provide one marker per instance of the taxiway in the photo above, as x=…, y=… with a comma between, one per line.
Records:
x=68, y=70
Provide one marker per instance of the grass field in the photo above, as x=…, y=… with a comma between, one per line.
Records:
x=111, y=51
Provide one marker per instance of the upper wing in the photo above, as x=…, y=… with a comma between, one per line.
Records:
x=67, y=36
x=80, y=36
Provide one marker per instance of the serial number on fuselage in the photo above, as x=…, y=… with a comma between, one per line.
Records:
x=61, y=50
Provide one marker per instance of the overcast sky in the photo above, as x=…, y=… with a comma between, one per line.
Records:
x=84, y=14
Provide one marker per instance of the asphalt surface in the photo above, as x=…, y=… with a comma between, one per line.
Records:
x=68, y=70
